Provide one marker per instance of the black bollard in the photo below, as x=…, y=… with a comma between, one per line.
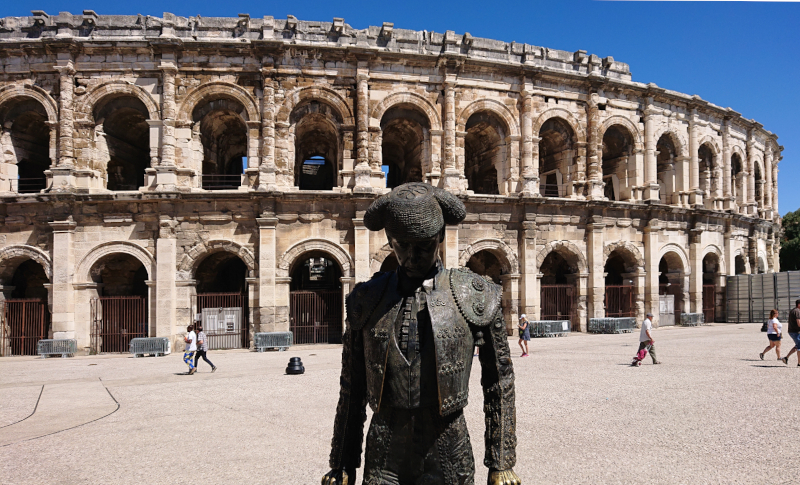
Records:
x=295, y=366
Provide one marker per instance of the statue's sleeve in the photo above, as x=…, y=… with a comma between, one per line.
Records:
x=348, y=427
x=497, y=380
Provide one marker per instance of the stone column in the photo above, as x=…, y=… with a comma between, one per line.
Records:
x=650, y=162
x=529, y=282
x=594, y=249
x=510, y=284
x=362, y=269
x=581, y=287
x=696, y=268
x=63, y=308
x=62, y=173
x=451, y=247
x=155, y=129
x=751, y=207
x=594, y=150
x=267, y=169
x=726, y=166
x=166, y=172
x=768, y=183
x=452, y=176
x=651, y=260
x=166, y=270
x=282, y=287
x=363, y=172
x=695, y=194
x=776, y=159
x=530, y=173
x=253, y=310
x=267, y=264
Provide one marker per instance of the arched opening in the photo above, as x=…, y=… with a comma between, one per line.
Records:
x=740, y=266
x=220, y=128
x=390, y=263
x=556, y=153
x=26, y=316
x=558, y=289
x=26, y=145
x=620, y=295
x=484, y=152
x=666, y=155
x=122, y=141
x=737, y=179
x=709, y=174
x=617, y=149
x=711, y=289
x=222, y=302
x=317, y=151
x=315, y=315
x=405, y=145
x=486, y=264
x=672, y=288
x=762, y=265
x=120, y=310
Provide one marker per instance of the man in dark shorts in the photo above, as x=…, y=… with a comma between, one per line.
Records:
x=794, y=331
x=524, y=334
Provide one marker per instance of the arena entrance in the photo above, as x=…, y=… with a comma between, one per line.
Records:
x=25, y=314
x=222, y=301
x=119, y=312
x=670, y=289
x=710, y=287
x=315, y=313
x=558, y=290
x=620, y=298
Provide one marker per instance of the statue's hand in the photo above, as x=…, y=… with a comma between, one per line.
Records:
x=336, y=477
x=503, y=477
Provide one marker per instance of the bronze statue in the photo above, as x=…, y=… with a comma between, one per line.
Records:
x=408, y=351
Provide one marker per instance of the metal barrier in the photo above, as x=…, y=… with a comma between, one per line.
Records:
x=549, y=328
x=150, y=345
x=612, y=325
x=64, y=347
x=691, y=319
x=273, y=340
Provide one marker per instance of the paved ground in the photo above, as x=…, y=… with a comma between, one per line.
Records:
x=712, y=413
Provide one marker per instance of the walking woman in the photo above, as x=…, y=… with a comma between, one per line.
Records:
x=774, y=334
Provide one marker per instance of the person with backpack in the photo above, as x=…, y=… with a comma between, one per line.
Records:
x=774, y=334
x=794, y=332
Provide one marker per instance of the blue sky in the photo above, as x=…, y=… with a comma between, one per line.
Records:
x=737, y=54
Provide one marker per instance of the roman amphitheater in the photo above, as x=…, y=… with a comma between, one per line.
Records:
x=158, y=167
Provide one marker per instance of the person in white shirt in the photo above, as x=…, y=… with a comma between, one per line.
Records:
x=646, y=337
x=774, y=334
x=191, y=348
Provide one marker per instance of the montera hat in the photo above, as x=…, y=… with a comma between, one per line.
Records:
x=414, y=210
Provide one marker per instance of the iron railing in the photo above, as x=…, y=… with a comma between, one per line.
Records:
x=709, y=303
x=272, y=340
x=29, y=185
x=63, y=347
x=549, y=328
x=612, y=325
x=25, y=322
x=558, y=303
x=620, y=301
x=149, y=345
x=221, y=182
x=225, y=320
x=691, y=319
x=117, y=320
x=316, y=316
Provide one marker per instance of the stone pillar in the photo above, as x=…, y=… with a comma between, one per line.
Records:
x=267, y=169
x=282, y=286
x=651, y=260
x=151, y=309
x=450, y=247
x=776, y=159
x=166, y=172
x=250, y=176
x=594, y=249
x=696, y=268
x=166, y=270
x=751, y=207
x=511, y=300
x=726, y=166
x=362, y=268
x=695, y=194
x=63, y=308
x=582, y=289
x=155, y=129
x=254, y=305
x=62, y=174
x=530, y=167
x=529, y=281
x=363, y=172
x=267, y=264
x=594, y=150
x=452, y=177
x=347, y=283
x=650, y=162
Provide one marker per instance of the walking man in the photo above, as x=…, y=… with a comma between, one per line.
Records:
x=794, y=331
x=202, y=348
x=191, y=347
x=524, y=334
x=646, y=337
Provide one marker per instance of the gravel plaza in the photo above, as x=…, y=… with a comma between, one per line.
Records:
x=712, y=413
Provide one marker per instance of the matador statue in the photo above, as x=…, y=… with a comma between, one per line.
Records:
x=408, y=348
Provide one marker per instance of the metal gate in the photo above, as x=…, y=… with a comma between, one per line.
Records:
x=24, y=323
x=558, y=304
x=225, y=320
x=666, y=313
x=316, y=317
x=117, y=320
x=620, y=301
x=709, y=303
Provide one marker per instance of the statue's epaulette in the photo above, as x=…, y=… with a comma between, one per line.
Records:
x=477, y=299
x=361, y=302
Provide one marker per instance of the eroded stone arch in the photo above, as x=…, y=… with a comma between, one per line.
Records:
x=84, y=268
x=314, y=244
x=315, y=93
x=564, y=114
x=495, y=246
x=23, y=252
x=714, y=249
x=116, y=88
x=565, y=248
x=711, y=142
x=199, y=252
x=626, y=248
x=413, y=99
x=625, y=122
x=18, y=90
x=501, y=110
x=678, y=139
x=680, y=252
x=218, y=89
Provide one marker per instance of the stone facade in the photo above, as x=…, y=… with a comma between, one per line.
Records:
x=166, y=141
